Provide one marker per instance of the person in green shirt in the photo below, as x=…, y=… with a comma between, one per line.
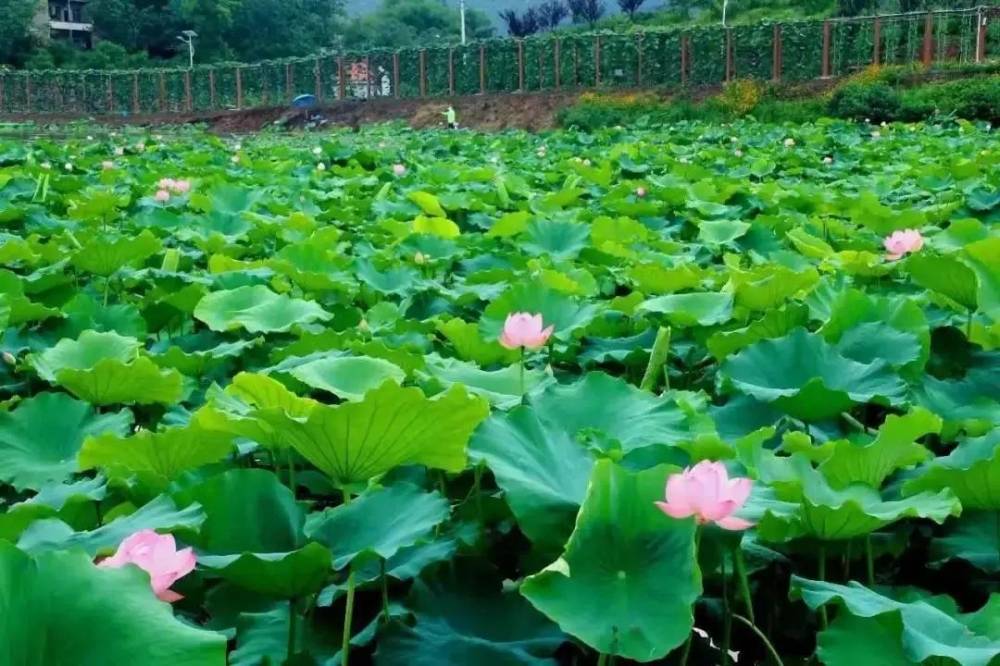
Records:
x=451, y=117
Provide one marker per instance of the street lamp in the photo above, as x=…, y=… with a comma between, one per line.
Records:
x=725, y=6
x=461, y=13
x=187, y=36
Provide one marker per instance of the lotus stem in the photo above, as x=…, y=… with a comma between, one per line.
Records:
x=345, y=645
x=763, y=638
x=741, y=573
x=657, y=361
x=291, y=472
x=727, y=621
x=855, y=423
x=968, y=325
x=522, y=375
x=478, y=487
x=824, y=619
x=869, y=560
x=687, y=649
x=293, y=618
x=602, y=660
x=385, y=591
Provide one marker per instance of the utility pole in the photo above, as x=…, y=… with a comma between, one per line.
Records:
x=461, y=14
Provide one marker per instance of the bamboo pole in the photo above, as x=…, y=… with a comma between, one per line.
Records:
x=776, y=52
x=825, y=65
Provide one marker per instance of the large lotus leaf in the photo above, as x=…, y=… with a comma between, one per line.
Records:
x=971, y=471
x=61, y=609
x=292, y=575
x=104, y=256
x=719, y=232
x=84, y=353
x=767, y=286
x=541, y=468
x=809, y=507
x=392, y=426
x=40, y=439
x=159, y=514
x=470, y=345
x=806, y=377
x=348, y=377
x=256, y=309
x=561, y=239
x=380, y=523
x=773, y=324
x=466, y=622
x=895, y=447
x=652, y=278
x=609, y=406
x=967, y=404
x=860, y=641
x=983, y=257
x=158, y=457
x=501, y=387
x=701, y=309
x=624, y=552
x=111, y=382
x=945, y=275
x=564, y=313
x=201, y=353
x=395, y=280
x=262, y=638
x=926, y=630
x=975, y=538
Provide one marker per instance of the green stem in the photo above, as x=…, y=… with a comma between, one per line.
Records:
x=602, y=660
x=869, y=560
x=657, y=361
x=293, y=618
x=741, y=573
x=760, y=634
x=727, y=622
x=522, y=374
x=291, y=472
x=847, y=560
x=855, y=423
x=968, y=325
x=385, y=591
x=478, y=486
x=345, y=645
x=824, y=619
x=687, y=650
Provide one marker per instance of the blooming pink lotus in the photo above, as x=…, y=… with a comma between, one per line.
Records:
x=166, y=184
x=399, y=170
x=524, y=330
x=706, y=492
x=157, y=555
x=162, y=196
x=903, y=242
x=182, y=186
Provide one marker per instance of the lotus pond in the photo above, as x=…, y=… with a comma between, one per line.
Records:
x=256, y=409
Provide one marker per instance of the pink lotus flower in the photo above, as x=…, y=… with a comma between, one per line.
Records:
x=182, y=186
x=525, y=330
x=706, y=492
x=162, y=196
x=399, y=170
x=903, y=242
x=640, y=192
x=166, y=184
x=157, y=555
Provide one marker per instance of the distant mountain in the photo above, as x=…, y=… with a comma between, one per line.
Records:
x=492, y=8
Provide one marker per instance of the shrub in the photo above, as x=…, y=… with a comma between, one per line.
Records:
x=740, y=97
x=972, y=99
x=873, y=101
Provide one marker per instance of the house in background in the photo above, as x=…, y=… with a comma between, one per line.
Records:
x=65, y=20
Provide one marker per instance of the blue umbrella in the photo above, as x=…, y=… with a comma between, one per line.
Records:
x=304, y=102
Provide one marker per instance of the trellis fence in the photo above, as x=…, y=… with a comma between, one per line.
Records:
x=794, y=51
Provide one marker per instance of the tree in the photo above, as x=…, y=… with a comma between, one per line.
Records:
x=290, y=27
x=551, y=14
x=406, y=23
x=586, y=11
x=630, y=7
x=15, y=30
x=521, y=25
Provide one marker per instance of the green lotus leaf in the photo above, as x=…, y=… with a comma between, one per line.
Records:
x=945, y=275
x=969, y=404
x=471, y=346
x=394, y=280
x=983, y=257
x=84, y=353
x=193, y=361
x=806, y=377
x=501, y=387
x=158, y=457
x=637, y=561
x=895, y=447
x=862, y=641
x=656, y=279
x=720, y=232
x=348, y=377
x=560, y=239
x=701, y=309
x=354, y=442
x=379, y=523
x=773, y=324
x=465, y=621
x=562, y=312
x=971, y=471
x=262, y=638
x=85, y=313
x=39, y=440
x=292, y=575
x=924, y=631
x=765, y=287
x=159, y=514
x=19, y=308
x=104, y=256
x=428, y=203
x=111, y=382
x=975, y=538
x=256, y=309
x=101, y=616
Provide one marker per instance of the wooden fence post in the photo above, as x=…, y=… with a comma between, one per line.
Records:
x=423, y=72
x=776, y=52
x=318, y=78
x=576, y=64
x=981, y=21
x=239, y=87
x=684, y=60
x=211, y=88
x=825, y=65
x=729, y=55
x=369, y=79
x=135, y=93
x=520, y=65
x=3, y=79
x=451, y=71
x=395, y=73
x=597, y=61
x=557, y=63
x=541, y=69
x=163, y=92
x=928, y=52
x=27, y=92
x=638, y=53
x=341, y=83
x=876, y=41
x=189, y=100
x=288, y=81
x=111, y=95
x=482, y=69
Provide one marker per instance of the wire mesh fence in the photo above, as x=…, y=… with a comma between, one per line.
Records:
x=793, y=51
